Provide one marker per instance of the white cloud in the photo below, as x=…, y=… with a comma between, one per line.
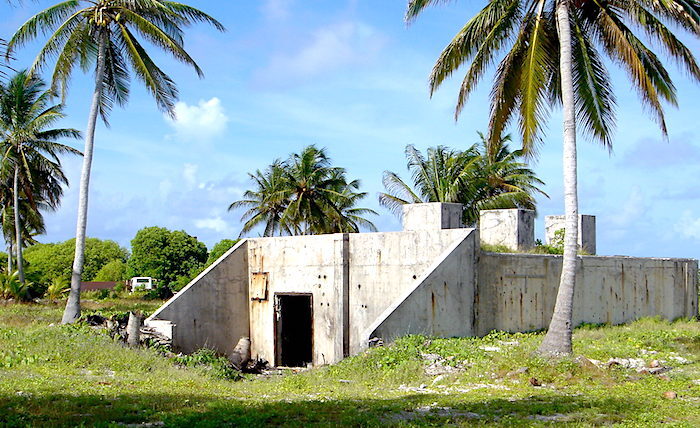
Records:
x=189, y=173
x=203, y=121
x=216, y=224
x=688, y=226
x=330, y=48
x=631, y=210
x=276, y=10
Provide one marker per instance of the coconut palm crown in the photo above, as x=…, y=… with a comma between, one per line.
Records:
x=523, y=35
x=80, y=29
x=303, y=195
x=487, y=175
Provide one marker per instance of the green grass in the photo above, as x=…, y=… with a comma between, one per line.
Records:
x=75, y=375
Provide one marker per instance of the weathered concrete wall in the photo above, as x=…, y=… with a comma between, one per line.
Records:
x=517, y=292
x=384, y=266
x=302, y=264
x=212, y=310
x=439, y=303
x=432, y=216
x=586, y=230
x=514, y=228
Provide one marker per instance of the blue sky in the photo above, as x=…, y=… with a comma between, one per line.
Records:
x=351, y=76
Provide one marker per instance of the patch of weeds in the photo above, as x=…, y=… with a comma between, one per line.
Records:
x=489, y=248
x=209, y=362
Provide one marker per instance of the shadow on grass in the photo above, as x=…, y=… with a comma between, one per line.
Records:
x=207, y=411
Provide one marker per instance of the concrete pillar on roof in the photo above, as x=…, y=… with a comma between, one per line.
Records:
x=586, y=231
x=513, y=228
x=432, y=216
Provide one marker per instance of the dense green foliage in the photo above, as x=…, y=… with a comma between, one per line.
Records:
x=303, y=195
x=45, y=383
x=485, y=176
x=49, y=261
x=115, y=270
x=219, y=249
x=165, y=255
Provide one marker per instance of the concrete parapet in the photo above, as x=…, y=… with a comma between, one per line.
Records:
x=586, y=230
x=517, y=292
x=432, y=216
x=514, y=228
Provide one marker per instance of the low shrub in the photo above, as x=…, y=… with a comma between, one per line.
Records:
x=57, y=288
x=211, y=363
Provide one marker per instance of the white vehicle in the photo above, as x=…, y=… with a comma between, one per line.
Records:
x=142, y=283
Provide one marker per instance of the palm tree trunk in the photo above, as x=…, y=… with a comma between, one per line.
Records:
x=558, y=338
x=10, y=250
x=18, y=228
x=72, y=311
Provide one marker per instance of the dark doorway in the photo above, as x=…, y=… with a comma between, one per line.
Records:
x=293, y=330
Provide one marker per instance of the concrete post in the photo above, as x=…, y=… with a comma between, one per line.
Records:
x=432, y=216
x=513, y=228
x=586, y=231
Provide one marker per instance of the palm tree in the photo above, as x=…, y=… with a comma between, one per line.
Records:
x=346, y=217
x=303, y=195
x=503, y=180
x=553, y=53
x=30, y=151
x=4, y=62
x=103, y=34
x=492, y=179
x=266, y=203
x=313, y=191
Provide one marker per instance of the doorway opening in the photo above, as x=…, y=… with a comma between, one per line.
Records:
x=293, y=330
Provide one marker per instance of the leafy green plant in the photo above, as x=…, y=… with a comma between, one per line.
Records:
x=558, y=239
x=57, y=288
x=12, y=288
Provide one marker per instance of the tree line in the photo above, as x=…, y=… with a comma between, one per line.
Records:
x=172, y=256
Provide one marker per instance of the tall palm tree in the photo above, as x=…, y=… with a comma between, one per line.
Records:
x=552, y=55
x=486, y=176
x=303, y=195
x=103, y=34
x=30, y=153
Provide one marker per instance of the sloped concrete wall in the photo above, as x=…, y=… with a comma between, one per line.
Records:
x=517, y=292
x=301, y=264
x=385, y=266
x=212, y=310
x=440, y=303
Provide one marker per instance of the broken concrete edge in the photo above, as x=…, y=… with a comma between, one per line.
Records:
x=154, y=316
x=368, y=334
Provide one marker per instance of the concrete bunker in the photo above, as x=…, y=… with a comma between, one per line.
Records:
x=313, y=300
